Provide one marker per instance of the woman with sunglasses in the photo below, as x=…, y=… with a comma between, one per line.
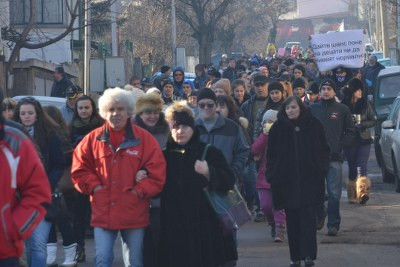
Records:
x=85, y=119
x=178, y=79
x=43, y=131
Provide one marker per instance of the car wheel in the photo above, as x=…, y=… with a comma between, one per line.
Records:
x=396, y=175
x=386, y=176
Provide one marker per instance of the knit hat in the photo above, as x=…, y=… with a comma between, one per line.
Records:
x=149, y=102
x=190, y=83
x=206, y=94
x=271, y=115
x=260, y=80
x=313, y=88
x=224, y=84
x=275, y=86
x=353, y=85
x=166, y=81
x=328, y=82
x=299, y=82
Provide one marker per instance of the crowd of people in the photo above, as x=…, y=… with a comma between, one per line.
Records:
x=130, y=162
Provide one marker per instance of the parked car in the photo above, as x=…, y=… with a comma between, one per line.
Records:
x=45, y=100
x=386, y=91
x=390, y=145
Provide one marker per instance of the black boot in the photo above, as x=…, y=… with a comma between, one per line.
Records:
x=80, y=254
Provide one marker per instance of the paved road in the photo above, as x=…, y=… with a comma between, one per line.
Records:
x=369, y=235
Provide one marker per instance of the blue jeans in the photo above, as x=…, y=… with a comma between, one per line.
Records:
x=357, y=157
x=334, y=188
x=132, y=244
x=36, y=245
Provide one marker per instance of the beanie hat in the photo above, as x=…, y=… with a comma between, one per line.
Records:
x=328, y=82
x=166, y=81
x=313, y=88
x=149, y=102
x=271, y=115
x=275, y=86
x=299, y=82
x=224, y=84
x=206, y=94
x=260, y=79
x=356, y=84
x=189, y=83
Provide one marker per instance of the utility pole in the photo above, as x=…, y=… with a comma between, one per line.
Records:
x=86, y=55
x=398, y=31
x=384, y=29
x=114, y=43
x=378, y=25
x=173, y=32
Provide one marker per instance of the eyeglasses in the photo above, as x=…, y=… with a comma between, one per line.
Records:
x=203, y=105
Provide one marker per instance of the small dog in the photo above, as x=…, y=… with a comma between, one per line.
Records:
x=363, y=186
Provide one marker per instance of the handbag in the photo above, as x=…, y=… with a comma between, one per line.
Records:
x=230, y=208
x=65, y=184
x=57, y=209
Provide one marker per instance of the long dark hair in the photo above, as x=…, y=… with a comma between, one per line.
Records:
x=228, y=101
x=45, y=126
x=282, y=111
x=95, y=113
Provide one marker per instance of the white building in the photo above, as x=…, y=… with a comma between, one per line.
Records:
x=309, y=9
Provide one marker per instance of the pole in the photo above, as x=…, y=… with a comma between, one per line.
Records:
x=86, y=63
x=385, y=41
x=114, y=43
x=398, y=31
x=173, y=32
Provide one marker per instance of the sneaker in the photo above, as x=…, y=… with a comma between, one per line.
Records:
x=308, y=262
x=260, y=217
x=295, y=264
x=80, y=254
x=320, y=222
x=332, y=231
x=280, y=233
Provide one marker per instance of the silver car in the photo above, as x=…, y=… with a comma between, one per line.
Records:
x=46, y=100
x=390, y=145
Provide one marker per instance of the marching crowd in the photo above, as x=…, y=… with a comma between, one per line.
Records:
x=135, y=162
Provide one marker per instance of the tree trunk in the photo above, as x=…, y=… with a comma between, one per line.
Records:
x=205, y=47
x=272, y=34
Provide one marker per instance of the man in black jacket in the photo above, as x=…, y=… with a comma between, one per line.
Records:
x=61, y=83
x=230, y=72
x=340, y=132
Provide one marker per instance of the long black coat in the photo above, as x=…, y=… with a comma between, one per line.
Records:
x=190, y=232
x=297, y=161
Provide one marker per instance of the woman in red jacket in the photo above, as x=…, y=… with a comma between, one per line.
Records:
x=105, y=164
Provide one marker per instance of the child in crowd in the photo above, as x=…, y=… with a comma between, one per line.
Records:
x=276, y=218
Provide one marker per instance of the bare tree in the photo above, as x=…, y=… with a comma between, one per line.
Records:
x=274, y=10
x=202, y=16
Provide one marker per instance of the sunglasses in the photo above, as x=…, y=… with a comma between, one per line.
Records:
x=203, y=105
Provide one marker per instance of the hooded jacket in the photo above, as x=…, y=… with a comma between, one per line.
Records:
x=97, y=162
x=24, y=190
x=178, y=86
x=338, y=125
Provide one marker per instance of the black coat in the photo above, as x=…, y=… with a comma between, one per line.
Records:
x=190, y=232
x=297, y=161
x=60, y=88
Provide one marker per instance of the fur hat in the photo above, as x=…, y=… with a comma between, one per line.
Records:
x=269, y=115
x=149, y=101
x=180, y=113
x=224, y=84
x=206, y=94
x=299, y=82
x=275, y=86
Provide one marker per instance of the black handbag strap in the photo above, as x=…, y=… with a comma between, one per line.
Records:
x=203, y=156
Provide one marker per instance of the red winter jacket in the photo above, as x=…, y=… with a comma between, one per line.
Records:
x=24, y=187
x=259, y=149
x=95, y=162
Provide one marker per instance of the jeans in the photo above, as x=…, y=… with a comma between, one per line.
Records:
x=36, y=245
x=132, y=245
x=334, y=188
x=357, y=157
x=249, y=183
x=273, y=216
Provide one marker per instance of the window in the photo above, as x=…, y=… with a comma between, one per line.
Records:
x=47, y=11
x=389, y=87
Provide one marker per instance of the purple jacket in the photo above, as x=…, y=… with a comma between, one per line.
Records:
x=259, y=149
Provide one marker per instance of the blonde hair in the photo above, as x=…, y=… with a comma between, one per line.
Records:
x=178, y=106
x=116, y=95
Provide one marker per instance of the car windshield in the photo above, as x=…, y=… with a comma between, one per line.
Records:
x=389, y=87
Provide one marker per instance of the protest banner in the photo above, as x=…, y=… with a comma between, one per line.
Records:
x=281, y=52
x=334, y=49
